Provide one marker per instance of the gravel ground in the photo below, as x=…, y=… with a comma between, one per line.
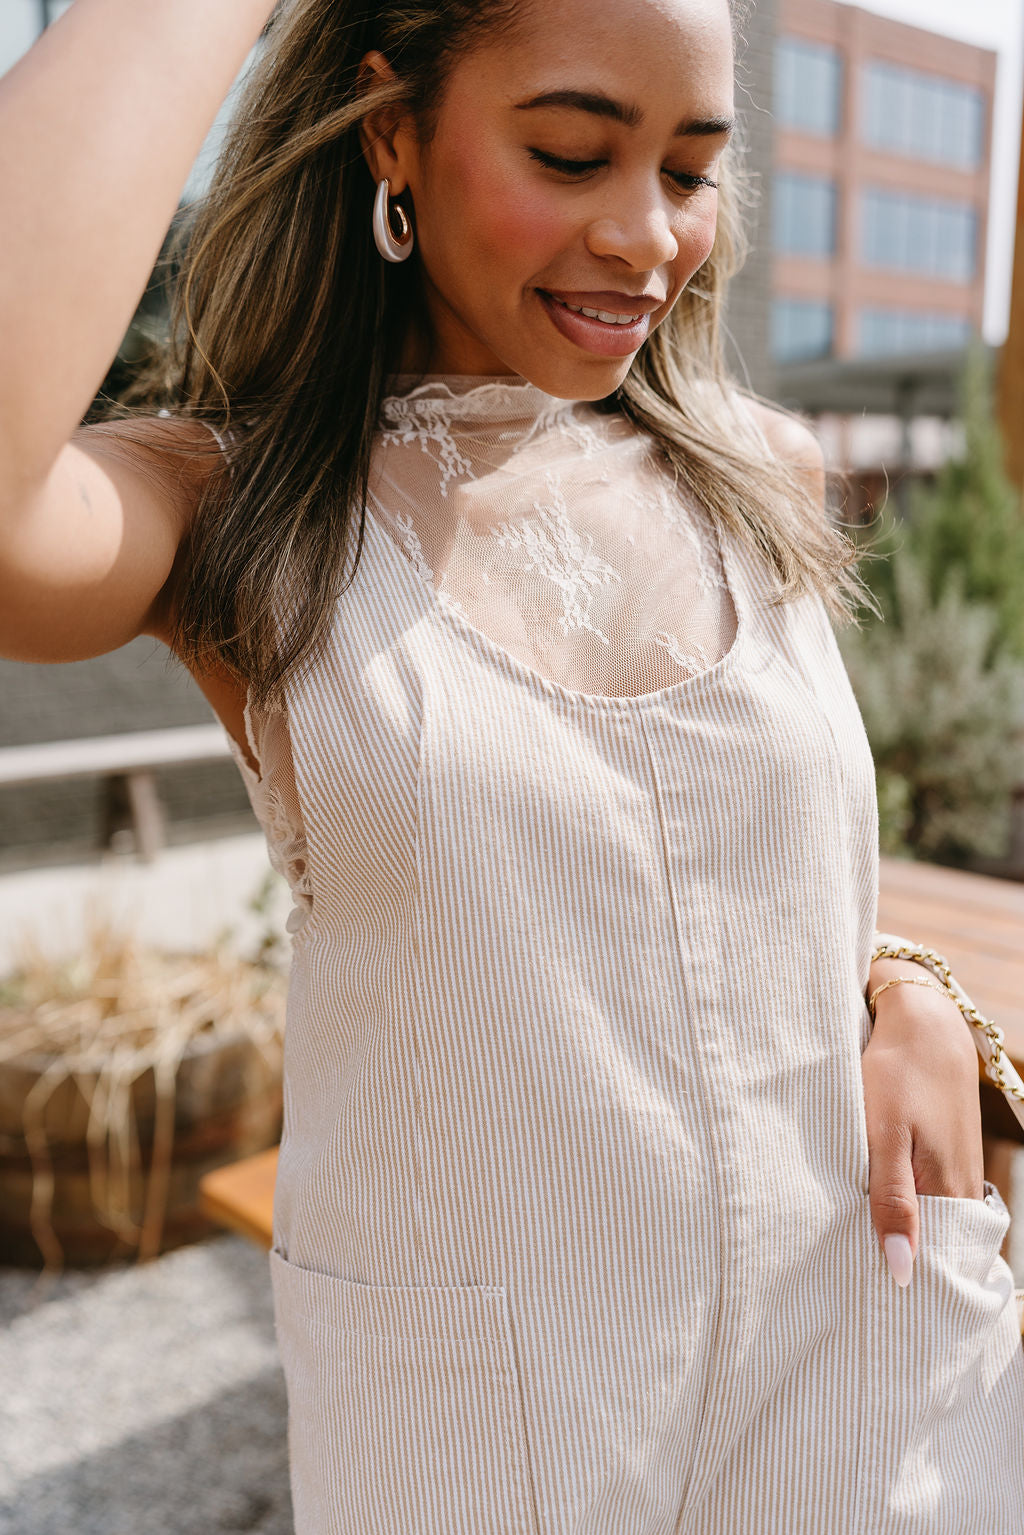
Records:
x=144, y=1400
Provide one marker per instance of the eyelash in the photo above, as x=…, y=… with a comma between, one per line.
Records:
x=685, y=182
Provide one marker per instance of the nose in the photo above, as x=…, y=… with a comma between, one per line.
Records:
x=636, y=229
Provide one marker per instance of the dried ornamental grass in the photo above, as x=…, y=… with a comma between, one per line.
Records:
x=91, y=1029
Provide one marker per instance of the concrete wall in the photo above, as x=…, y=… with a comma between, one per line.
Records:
x=191, y=897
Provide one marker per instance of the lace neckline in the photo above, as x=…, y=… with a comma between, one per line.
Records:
x=552, y=534
x=504, y=401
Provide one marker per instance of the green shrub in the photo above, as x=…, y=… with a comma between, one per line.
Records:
x=940, y=674
x=940, y=702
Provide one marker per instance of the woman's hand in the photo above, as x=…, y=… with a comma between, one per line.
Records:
x=923, y=1109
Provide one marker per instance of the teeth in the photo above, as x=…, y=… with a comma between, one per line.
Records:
x=602, y=314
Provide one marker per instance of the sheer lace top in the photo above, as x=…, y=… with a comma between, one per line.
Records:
x=553, y=529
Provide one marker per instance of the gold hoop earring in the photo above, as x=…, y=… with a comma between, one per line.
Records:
x=391, y=246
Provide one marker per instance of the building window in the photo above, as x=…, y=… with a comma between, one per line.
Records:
x=801, y=329
x=805, y=214
x=888, y=332
x=908, y=112
x=925, y=235
x=808, y=86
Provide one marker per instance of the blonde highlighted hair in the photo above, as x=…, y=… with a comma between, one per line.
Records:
x=287, y=324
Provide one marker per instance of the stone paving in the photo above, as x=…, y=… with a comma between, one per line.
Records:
x=144, y=1400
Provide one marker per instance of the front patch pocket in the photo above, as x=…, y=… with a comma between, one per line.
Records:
x=404, y=1406
x=942, y=1446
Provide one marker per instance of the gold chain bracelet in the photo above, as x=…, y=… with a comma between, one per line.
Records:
x=995, y=1067
x=908, y=980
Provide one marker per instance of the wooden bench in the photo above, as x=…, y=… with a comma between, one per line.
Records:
x=241, y=1196
x=976, y=922
x=126, y=764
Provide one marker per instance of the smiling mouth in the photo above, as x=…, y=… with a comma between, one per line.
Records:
x=605, y=316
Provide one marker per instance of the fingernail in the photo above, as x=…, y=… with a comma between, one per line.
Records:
x=899, y=1258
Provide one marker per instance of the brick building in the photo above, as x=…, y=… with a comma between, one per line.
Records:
x=881, y=186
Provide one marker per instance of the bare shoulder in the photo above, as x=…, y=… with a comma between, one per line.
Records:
x=789, y=437
x=172, y=455
x=158, y=466
x=792, y=441
x=93, y=560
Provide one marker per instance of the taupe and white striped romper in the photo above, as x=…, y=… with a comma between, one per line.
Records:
x=572, y=1231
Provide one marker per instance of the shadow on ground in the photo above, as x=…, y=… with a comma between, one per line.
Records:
x=220, y=1468
x=144, y=1400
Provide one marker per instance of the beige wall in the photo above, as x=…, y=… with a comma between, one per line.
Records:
x=1012, y=379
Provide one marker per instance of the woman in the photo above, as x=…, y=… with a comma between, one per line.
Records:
x=516, y=614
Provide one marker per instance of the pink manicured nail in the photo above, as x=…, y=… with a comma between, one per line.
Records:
x=899, y=1258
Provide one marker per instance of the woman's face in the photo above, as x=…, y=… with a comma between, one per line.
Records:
x=573, y=168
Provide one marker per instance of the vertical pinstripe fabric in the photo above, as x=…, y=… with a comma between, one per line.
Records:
x=572, y=1230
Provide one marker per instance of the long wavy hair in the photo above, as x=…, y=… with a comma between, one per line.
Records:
x=286, y=325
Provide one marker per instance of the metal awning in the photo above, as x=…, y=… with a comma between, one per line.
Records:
x=918, y=384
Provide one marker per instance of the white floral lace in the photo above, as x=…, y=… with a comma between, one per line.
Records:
x=552, y=546
x=274, y=798
x=554, y=529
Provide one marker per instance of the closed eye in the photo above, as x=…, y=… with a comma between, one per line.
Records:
x=581, y=168
x=567, y=167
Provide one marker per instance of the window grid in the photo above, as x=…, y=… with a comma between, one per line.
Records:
x=889, y=332
x=805, y=214
x=923, y=116
x=802, y=329
x=808, y=86
x=929, y=236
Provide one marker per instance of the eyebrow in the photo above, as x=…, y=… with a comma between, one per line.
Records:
x=627, y=113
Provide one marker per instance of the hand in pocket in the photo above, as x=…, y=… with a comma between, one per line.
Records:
x=923, y=1114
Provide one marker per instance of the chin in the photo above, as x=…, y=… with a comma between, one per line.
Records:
x=570, y=378
x=591, y=381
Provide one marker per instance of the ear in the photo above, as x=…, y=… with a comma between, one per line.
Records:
x=381, y=132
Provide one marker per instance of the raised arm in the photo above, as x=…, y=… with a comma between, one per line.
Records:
x=100, y=124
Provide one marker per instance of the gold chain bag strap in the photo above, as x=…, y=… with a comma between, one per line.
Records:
x=987, y=1036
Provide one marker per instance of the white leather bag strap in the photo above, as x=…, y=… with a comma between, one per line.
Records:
x=988, y=1038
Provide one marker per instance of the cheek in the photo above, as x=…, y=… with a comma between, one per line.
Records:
x=697, y=238
x=503, y=217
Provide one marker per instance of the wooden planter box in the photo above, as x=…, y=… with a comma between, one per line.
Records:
x=227, y=1104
